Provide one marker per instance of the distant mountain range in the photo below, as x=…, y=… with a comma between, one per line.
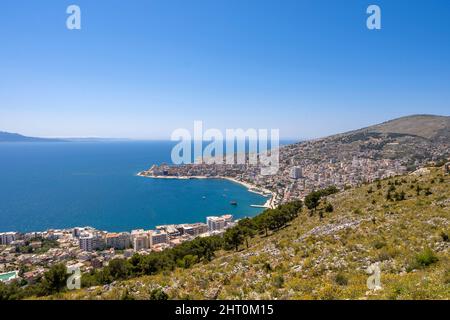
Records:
x=15, y=137
x=431, y=128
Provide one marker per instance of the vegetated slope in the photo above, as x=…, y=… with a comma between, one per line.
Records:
x=415, y=138
x=430, y=127
x=401, y=222
x=426, y=126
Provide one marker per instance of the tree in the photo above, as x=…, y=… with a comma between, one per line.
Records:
x=277, y=219
x=10, y=291
x=312, y=200
x=187, y=261
x=234, y=237
x=55, y=279
x=263, y=222
x=206, y=247
x=119, y=268
x=328, y=191
x=248, y=228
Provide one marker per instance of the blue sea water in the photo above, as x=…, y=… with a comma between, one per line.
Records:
x=67, y=184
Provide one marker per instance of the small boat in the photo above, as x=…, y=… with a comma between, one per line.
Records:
x=233, y=203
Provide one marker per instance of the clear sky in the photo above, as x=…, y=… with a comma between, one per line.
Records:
x=142, y=68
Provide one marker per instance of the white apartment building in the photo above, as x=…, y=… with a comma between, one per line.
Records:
x=157, y=237
x=296, y=173
x=215, y=223
x=8, y=237
x=140, y=242
x=91, y=242
x=118, y=240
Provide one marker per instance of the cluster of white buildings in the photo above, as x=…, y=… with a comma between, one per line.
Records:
x=89, y=248
x=162, y=237
x=7, y=237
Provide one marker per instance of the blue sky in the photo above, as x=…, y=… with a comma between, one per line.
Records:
x=140, y=69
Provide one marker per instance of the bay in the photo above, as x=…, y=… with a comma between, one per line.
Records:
x=68, y=184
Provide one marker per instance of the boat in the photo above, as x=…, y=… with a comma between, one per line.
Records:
x=233, y=203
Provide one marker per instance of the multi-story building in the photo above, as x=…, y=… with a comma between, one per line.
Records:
x=171, y=230
x=8, y=237
x=219, y=223
x=118, y=240
x=92, y=242
x=195, y=229
x=157, y=237
x=140, y=240
x=76, y=232
x=296, y=173
x=215, y=223
x=228, y=218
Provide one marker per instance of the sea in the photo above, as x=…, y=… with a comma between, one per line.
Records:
x=45, y=185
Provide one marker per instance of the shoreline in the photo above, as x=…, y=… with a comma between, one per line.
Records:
x=269, y=204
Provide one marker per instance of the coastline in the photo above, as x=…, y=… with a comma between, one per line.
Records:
x=269, y=204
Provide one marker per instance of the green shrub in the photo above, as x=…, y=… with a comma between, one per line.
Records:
x=341, y=279
x=158, y=294
x=426, y=257
x=378, y=244
x=278, y=281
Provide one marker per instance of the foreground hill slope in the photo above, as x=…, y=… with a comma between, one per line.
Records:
x=407, y=233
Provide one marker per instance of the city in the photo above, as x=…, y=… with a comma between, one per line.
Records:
x=28, y=255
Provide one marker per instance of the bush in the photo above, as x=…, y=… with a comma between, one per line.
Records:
x=278, y=281
x=426, y=257
x=158, y=294
x=378, y=244
x=341, y=279
x=329, y=208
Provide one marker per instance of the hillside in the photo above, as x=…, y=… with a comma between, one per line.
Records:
x=14, y=137
x=413, y=138
x=347, y=159
x=434, y=128
x=425, y=126
x=407, y=232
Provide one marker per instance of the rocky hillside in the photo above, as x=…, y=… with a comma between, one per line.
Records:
x=413, y=138
x=402, y=223
x=434, y=128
